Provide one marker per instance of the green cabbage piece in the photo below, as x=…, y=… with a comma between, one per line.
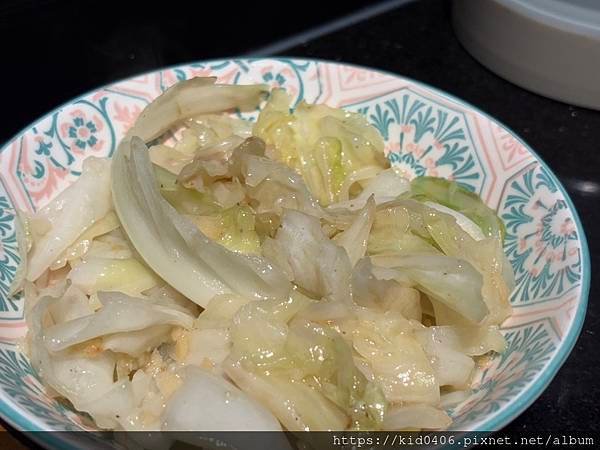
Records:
x=486, y=256
x=271, y=341
x=69, y=215
x=454, y=196
x=399, y=229
x=173, y=246
x=449, y=280
x=297, y=406
x=309, y=258
x=190, y=98
x=184, y=200
x=318, y=356
x=234, y=228
x=348, y=388
x=325, y=145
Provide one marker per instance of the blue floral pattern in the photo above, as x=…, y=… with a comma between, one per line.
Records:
x=9, y=258
x=529, y=349
x=83, y=133
x=20, y=382
x=425, y=137
x=51, y=152
x=541, y=237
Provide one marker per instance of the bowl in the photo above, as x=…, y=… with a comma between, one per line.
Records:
x=520, y=40
x=426, y=132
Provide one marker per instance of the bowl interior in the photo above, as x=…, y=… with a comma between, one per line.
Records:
x=427, y=132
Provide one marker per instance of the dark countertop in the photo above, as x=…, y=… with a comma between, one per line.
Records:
x=60, y=49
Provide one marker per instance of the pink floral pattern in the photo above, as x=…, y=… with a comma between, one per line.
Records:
x=511, y=151
x=82, y=132
x=126, y=115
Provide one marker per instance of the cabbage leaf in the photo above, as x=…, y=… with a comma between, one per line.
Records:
x=325, y=145
x=452, y=195
x=191, y=98
x=119, y=313
x=310, y=258
x=69, y=215
x=173, y=246
x=451, y=281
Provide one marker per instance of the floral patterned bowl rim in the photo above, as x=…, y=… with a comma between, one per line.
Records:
x=22, y=419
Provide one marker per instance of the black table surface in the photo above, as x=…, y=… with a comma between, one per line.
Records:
x=55, y=50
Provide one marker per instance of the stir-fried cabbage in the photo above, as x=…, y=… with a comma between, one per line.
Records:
x=413, y=417
x=378, y=289
x=82, y=378
x=128, y=275
x=451, y=281
x=452, y=195
x=24, y=242
x=325, y=145
x=119, y=313
x=485, y=255
x=309, y=258
x=173, y=246
x=275, y=187
x=386, y=186
x=398, y=229
x=84, y=243
x=310, y=366
x=355, y=238
x=260, y=276
x=206, y=402
x=194, y=97
x=69, y=215
x=396, y=360
x=297, y=406
x=234, y=228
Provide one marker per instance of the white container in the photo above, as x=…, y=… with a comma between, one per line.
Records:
x=551, y=47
